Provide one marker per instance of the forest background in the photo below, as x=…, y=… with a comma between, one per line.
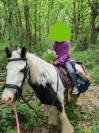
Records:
x=27, y=23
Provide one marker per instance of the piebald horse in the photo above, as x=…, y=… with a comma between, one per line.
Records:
x=44, y=79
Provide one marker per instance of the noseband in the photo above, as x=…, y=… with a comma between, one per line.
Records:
x=25, y=73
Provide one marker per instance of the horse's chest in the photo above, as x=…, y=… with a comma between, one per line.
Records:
x=45, y=94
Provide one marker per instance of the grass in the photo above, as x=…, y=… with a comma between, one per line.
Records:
x=2, y=78
x=84, y=122
x=2, y=45
x=3, y=58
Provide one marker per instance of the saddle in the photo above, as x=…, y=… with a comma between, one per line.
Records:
x=82, y=77
x=64, y=76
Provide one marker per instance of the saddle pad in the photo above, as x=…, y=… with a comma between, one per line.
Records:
x=64, y=76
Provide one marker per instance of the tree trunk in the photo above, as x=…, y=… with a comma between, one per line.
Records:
x=19, y=14
x=19, y=22
x=0, y=31
x=10, y=28
x=40, y=35
x=27, y=21
x=93, y=29
x=75, y=29
x=93, y=33
x=35, y=22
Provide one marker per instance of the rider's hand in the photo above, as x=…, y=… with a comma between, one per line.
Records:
x=55, y=62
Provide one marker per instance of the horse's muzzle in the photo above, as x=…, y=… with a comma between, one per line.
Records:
x=9, y=100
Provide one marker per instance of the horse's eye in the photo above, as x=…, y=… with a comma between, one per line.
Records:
x=22, y=70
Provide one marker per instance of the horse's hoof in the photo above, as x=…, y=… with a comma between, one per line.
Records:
x=68, y=131
x=53, y=129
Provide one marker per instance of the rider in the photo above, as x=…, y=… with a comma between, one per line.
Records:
x=62, y=50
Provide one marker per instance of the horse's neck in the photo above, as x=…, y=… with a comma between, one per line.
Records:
x=36, y=66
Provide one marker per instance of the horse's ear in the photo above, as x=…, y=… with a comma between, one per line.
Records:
x=23, y=52
x=8, y=52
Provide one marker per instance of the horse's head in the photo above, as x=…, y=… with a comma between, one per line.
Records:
x=16, y=74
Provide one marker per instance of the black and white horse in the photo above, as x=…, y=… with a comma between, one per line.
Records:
x=43, y=77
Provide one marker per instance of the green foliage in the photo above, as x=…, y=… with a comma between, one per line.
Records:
x=7, y=119
x=10, y=130
x=42, y=14
x=90, y=58
x=49, y=55
x=72, y=114
x=78, y=116
x=95, y=128
x=40, y=47
x=28, y=118
x=3, y=60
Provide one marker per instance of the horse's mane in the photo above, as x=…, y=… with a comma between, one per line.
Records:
x=31, y=56
x=38, y=67
x=36, y=58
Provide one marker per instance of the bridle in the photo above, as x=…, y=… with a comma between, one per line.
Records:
x=26, y=76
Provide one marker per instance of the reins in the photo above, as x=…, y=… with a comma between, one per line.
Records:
x=17, y=119
x=57, y=85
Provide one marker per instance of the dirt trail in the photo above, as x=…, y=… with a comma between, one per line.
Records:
x=90, y=98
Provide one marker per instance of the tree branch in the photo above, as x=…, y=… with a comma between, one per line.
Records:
x=90, y=5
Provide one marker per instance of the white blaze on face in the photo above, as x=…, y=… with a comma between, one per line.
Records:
x=14, y=76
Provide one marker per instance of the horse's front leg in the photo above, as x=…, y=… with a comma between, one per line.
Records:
x=53, y=114
x=53, y=121
x=65, y=123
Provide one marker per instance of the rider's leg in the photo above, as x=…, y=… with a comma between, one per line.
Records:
x=72, y=73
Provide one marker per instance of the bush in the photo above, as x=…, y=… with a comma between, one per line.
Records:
x=49, y=55
x=28, y=118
